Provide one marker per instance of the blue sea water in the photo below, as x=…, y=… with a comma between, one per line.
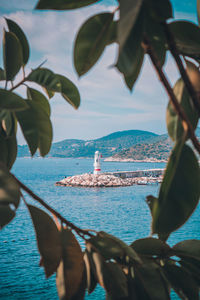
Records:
x=121, y=211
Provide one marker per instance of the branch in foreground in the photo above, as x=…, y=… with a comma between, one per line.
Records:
x=173, y=49
x=79, y=231
x=179, y=110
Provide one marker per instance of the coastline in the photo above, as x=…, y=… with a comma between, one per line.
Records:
x=147, y=160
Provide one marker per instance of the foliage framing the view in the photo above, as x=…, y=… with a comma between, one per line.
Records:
x=148, y=268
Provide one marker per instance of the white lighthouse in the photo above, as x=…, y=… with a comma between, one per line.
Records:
x=97, y=167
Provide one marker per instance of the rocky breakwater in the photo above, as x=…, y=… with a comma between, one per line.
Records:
x=103, y=180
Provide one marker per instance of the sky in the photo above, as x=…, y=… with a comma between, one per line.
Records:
x=106, y=103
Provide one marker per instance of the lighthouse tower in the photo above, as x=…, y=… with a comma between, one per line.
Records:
x=97, y=167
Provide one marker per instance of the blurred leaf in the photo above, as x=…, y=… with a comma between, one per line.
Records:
x=36, y=127
x=187, y=37
x=192, y=266
x=149, y=276
x=12, y=55
x=110, y=276
x=8, y=150
x=11, y=101
x=70, y=278
x=69, y=91
x=91, y=280
x=174, y=124
x=198, y=10
x=9, y=195
x=160, y=10
x=9, y=122
x=151, y=246
x=14, y=28
x=129, y=12
x=39, y=99
x=91, y=40
x=131, y=79
x=181, y=281
x=49, y=93
x=46, y=78
x=179, y=191
x=113, y=32
x=2, y=74
x=111, y=247
x=131, y=56
x=156, y=36
x=188, y=248
x=193, y=74
x=48, y=239
x=63, y=4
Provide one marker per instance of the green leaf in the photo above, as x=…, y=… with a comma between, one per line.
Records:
x=110, y=276
x=8, y=122
x=131, y=79
x=187, y=37
x=2, y=74
x=174, y=124
x=150, y=277
x=160, y=10
x=48, y=239
x=63, y=4
x=11, y=101
x=129, y=12
x=179, y=192
x=70, y=278
x=131, y=54
x=113, y=32
x=188, y=248
x=91, y=40
x=69, y=91
x=49, y=93
x=36, y=127
x=151, y=246
x=8, y=150
x=12, y=55
x=46, y=78
x=91, y=280
x=10, y=195
x=111, y=247
x=39, y=99
x=192, y=266
x=156, y=36
x=181, y=281
x=14, y=28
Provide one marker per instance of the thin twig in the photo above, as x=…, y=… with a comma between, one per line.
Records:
x=79, y=231
x=174, y=51
x=18, y=84
x=179, y=110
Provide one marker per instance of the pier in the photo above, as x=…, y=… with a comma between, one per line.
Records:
x=139, y=173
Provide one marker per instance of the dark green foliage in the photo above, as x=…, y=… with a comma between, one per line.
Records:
x=46, y=78
x=174, y=124
x=14, y=28
x=63, y=4
x=179, y=192
x=12, y=55
x=10, y=195
x=91, y=40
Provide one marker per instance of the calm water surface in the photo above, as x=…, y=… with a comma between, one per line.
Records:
x=121, y=211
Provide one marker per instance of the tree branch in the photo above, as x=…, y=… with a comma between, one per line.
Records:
x=179, y=110
x=173, y=49
x=79, y=231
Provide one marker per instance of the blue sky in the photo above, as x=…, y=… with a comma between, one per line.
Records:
x=106, y=104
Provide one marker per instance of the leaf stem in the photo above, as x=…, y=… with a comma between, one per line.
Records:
x=174, y=51
x=185, y=121
x=18, y=84
x=79, y=231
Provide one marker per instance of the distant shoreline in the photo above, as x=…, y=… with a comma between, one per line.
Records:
x=149, y=160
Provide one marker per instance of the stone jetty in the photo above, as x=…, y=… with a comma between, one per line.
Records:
x=107, y=180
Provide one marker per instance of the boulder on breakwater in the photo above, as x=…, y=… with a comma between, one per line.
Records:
x=104, y=180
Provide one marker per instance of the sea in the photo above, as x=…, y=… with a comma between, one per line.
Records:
x=121, y=211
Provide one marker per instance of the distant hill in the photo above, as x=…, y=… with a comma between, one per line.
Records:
x=107, y=145
x=155, y=148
